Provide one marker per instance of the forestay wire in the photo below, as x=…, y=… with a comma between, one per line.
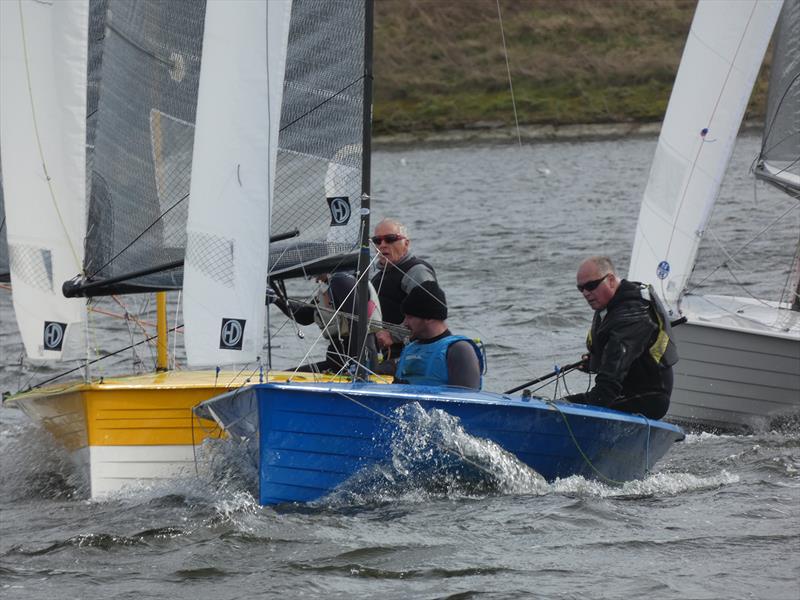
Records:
x=508, y=70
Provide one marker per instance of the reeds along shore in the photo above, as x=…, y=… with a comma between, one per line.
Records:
x=440, y=66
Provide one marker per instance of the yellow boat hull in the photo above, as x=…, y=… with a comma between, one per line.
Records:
x=137, y=429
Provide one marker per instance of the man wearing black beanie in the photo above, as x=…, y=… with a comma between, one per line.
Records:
x=435, y=356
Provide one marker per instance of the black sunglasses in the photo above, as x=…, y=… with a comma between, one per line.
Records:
x=592, y=285
x=389, y=239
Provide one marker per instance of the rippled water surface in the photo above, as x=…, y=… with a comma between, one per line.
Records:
x=505, y=228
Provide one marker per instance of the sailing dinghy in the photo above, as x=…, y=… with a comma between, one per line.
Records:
x=740, y=355
x=155, y=80
x=309, y=438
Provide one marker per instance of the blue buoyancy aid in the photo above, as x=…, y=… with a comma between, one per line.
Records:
x=426, y=364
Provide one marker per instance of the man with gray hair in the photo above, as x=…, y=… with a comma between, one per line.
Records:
x=630, y=342
x=398, y=272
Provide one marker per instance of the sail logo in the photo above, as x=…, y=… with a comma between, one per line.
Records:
x=663, y=270
x=54, y=335
x=231, y=334
x=340, y=210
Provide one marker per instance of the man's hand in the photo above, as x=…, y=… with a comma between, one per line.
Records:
x=584, y=366
x=384, y=339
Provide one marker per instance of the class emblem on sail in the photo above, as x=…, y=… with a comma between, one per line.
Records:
x=43, y=107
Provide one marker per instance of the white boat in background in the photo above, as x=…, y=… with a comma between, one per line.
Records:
x=739, y=355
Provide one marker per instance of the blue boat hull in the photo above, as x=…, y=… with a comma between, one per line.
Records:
x=313, y=437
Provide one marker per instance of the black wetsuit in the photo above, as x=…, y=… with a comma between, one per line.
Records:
x=634, y=370
x=393, y=283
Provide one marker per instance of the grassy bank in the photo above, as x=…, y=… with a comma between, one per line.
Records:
x=439, y=64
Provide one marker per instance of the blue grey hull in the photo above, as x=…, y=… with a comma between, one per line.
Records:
x=311, y=438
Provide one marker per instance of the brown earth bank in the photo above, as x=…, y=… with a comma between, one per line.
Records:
x=579, y=68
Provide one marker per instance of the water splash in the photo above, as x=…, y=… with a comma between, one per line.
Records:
x=434, y=457
x=654, y=485
x=32, y=465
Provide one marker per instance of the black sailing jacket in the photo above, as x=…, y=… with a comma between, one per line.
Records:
x=632, y=353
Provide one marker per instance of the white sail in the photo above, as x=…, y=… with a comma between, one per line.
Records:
x=43, y=62
x=720, y=62
x=235, y=150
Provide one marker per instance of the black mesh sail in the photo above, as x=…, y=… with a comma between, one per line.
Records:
x=318, y=177
x=143, y=134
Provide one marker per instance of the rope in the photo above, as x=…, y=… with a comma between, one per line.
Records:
x=312, y=109
x=138, y=237
x=580, y=450
x=508, y=70
x=768, y=132
x=480, y=467
x=742, y=248
x=91, y=362
x=335, y=314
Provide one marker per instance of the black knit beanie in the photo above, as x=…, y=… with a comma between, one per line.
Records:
x=426, y=301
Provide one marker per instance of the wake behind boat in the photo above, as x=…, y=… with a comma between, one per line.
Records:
x=309, y=438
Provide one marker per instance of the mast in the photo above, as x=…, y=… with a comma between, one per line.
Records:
x=162, y=357
x=362, y=325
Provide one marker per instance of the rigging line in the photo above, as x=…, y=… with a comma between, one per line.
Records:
x=321, y=104
x=744, y=288
x=247, y=379
x=47, y=177
x=790, y=165
x=167, y=62
x=387, y=325
x=377, y=254
x=362, y=351
x=335, y=314
x=788, y=283
x=137, y=238
x=91, y=362
x=580, y=450
x=175, y=337
x=710, y=119
x=508, y=70
x=775, y=115
x=740, y=250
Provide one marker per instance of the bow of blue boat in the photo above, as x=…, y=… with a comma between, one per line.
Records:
x=311, y=437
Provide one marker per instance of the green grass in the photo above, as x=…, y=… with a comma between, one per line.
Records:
x=439, y=64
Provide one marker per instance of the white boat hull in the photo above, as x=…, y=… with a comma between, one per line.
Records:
x=132, y=431
x=114, y=468
x=739, y=364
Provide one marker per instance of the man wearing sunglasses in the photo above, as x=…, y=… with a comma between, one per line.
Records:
x=630, y=343
x=398, y=272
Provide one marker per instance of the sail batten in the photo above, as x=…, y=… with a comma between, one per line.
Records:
x=43, y=108
x=719, y=66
